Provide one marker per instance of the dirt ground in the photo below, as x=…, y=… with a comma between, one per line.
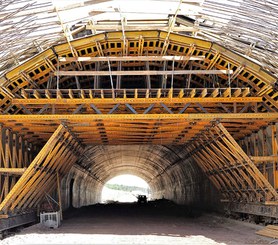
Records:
x=154, y=223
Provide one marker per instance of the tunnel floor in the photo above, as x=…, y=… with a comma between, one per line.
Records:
x=129, y=223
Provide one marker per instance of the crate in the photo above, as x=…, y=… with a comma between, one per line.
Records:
x=51, y=220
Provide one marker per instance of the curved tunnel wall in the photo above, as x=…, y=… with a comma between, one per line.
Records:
x=166, y=169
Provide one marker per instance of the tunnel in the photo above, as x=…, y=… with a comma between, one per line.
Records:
x=167, y=100
x=169, y=174
x=195, y=139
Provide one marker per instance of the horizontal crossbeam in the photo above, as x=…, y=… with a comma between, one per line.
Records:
x=258, y=159
x=136, y=93
x=141, y=73
x=139, y=28
x=130, y=58
x=88, y=117
x=134, y=101
x=15, y=171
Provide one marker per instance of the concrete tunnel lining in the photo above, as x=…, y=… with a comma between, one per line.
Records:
x=164, y=168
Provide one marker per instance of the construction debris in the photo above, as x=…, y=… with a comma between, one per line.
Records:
x=269, y=231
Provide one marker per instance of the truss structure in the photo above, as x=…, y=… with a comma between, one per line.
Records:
x=54, y=159
x=171, y=81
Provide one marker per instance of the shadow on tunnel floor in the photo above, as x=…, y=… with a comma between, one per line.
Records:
x=158, y=218
x=157, y=208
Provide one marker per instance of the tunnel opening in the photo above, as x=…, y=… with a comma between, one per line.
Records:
x=125, y=188
x=119, y=173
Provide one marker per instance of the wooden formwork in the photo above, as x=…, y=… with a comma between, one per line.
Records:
x=40, y=177
x=227, y=124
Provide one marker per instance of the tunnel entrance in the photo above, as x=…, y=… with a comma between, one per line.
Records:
x=124, y=189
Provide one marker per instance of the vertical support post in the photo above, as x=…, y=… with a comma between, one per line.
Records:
x=59, y=195
x=148, y=77
x=1, y=163
x=164, y=77
x=119, y=78
x=189, y=76
x=111, y=80
x=172, y=78
x=7, y=161
x=229, y=77
x=58, y=77
x=274, y=153
x=264, y=144
x=96, y=78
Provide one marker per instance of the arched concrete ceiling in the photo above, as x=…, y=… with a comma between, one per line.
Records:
x=153, y=163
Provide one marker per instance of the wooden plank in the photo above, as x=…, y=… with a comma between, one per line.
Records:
x=258, y=159
x=192, y=93
x=275, y=203
x=4, y=216
x=181, y=94
x=141, y=73
x=130, y=58
x=100, y=27
x=272, y=227
x=269, y=231
x=17, y=171
x=158, y=99
x=215, y=93
x=89, y=117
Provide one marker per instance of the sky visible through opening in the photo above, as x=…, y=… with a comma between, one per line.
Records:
x=124, y=188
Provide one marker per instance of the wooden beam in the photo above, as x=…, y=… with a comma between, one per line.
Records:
x=158, y=99
x=89, y=117
x=140, y=28
x=17, y=171
x=264, y=158
x=141, y=73
x=275, y=203
x=4, y=216
x=130, y=58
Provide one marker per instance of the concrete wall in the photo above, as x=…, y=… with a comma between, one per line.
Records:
x=168, y=171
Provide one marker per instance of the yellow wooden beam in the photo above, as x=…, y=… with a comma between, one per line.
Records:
x=4, y=216
x=264, y=158
x=17, y=171
x=141, y=72
x=158, y=99
x=275, y=203
x=89, y=117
